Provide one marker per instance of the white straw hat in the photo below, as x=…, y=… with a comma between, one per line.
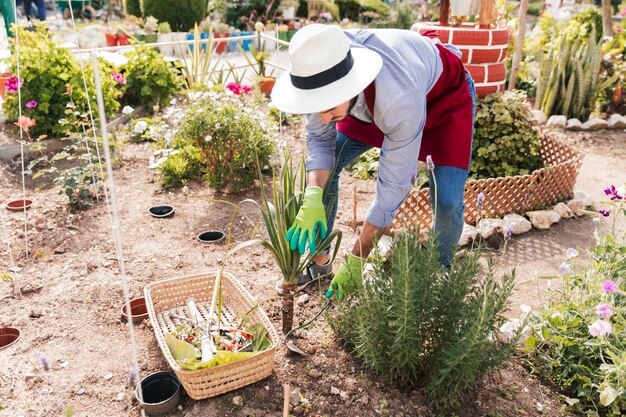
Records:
x=324, y=71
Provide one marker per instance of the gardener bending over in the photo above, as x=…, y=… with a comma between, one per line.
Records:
x=393, y=89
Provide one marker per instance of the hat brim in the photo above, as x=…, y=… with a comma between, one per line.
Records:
x=290, y=99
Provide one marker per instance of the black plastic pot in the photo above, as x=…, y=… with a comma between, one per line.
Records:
x=211, y=236
x=161, y=211
x=160, y=392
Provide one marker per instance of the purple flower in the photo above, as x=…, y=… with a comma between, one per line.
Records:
x=571, y=253
x=45, y=362
x=133, y=376
x=604, y=213
x=609, y=286
x=604, y=310
x=600, y=328
x=612, y=192
x=480, y=200
x=31, y=104
x=429, y=163
x=564, y=268
x=508, y=231
x=12, y=85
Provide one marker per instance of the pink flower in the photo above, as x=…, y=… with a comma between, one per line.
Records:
x=118, y=77
x=31, y=104
x=600, y=328
x=25, y=122
x=623, y=12
x=618, y=30
x=12, y=85
x=604, y=310
x=604, y=213
x=68, y=90
x=238, y=88
x=612, y=193
x=609, y=286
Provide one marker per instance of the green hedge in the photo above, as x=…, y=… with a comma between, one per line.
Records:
x=133, y=7
x=180, y=14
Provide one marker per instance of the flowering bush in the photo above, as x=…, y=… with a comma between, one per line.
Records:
x=578, y=339
x=229, y=132
x=46, y=72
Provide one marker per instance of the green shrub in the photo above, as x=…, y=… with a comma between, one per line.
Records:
x=366, y=165
x=578, y=339
x=505, y=140
x=133, y=7
x=180, y=14
x=150, y=79
x=416, y=322
x=180, y=166
x=351, y=9
x=230, y=133
x=47, y=72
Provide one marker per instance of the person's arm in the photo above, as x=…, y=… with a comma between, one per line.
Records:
x=317, y=178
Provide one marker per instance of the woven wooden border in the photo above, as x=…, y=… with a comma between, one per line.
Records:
x=544, y=187
x=171, y=295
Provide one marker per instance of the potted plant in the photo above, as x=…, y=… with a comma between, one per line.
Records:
x=259, y=65
x=165, y=35
x=110, y=36
x=220, y=30
x=288, y=8
x=151, y=26
x=4, y=77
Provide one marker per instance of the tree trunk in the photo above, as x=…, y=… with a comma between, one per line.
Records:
x=289, y=290
x=519, y=42
x=444, y=12
x=607, y=23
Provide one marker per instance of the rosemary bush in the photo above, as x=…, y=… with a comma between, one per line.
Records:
x=414, y=321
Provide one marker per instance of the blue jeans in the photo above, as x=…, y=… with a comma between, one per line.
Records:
x=450, y=190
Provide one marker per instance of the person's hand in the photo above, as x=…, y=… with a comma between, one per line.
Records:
x=347, y=278
x=310, y=219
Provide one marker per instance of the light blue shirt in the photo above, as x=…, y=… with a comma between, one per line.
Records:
x=411, y=67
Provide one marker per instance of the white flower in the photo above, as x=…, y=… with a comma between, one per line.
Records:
x=571, y=253
x=127, y=110
x=140, y=127
x=208, y=138
x=600, y=328
x=217, y=125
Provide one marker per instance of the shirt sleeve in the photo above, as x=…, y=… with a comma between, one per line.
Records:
x=403, y=124
x=320, y=143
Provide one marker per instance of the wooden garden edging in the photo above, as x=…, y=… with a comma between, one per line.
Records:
x=544, y=187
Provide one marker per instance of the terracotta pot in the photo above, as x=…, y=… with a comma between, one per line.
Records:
x=19, y=205
x=111, y=39
x=266, y=84
x=9, y=336
x=220, y=47
x=122, y=39
x=3, y=79
x=138, y=310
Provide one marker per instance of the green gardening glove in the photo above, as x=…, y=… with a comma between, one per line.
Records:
x=310, y=219
x=347, y=278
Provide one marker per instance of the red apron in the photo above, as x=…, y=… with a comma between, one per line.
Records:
x=447, y=135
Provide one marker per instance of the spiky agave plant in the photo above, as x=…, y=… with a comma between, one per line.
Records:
x=278, y=214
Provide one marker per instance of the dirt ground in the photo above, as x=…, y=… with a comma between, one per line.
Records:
x=70, y=310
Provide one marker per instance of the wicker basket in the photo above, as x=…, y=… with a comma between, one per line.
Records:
x=544, y=187
x=171, y=295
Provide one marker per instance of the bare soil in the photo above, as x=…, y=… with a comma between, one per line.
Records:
x=70, y=310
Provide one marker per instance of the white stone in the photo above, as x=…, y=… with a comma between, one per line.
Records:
x=557, y=121
x=295, y=397
x=584, y=196
x=617, y=121
x=238, y=400
x=519, y=224
x=595, y=123
x=468, y=235
x=335, y=391
x=487, y=227
x=302, y=299
x=574, y=124
x=80, y=391
x=576, y=205
x=108, y=376
x=120, y=397
x=539, y=116
x=542, y=219
x=564, y=211
x=507, y=331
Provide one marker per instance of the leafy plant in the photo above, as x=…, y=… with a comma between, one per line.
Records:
x=416, y=322
x=287, y=195
x=505, y=141
x=578, y=339
x=150, y=79
x=230, y=133
x=366, y=166
x=47, y=73
x=258, y=61
x=197, y=69
x=180, y=165
x=133, y=7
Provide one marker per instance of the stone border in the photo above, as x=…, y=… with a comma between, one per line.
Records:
x=615, y=121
